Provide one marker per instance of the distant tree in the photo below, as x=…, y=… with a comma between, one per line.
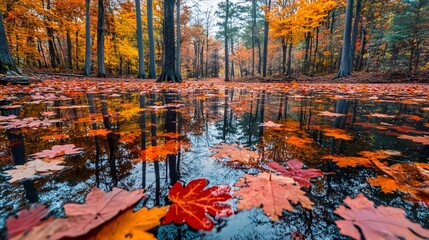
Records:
x=152, y=72
x=101, y=25
x=346, y=63
x=87, y=68
x=141, y=73
x=168, y=68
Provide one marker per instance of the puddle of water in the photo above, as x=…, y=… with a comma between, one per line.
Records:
x=113, y=128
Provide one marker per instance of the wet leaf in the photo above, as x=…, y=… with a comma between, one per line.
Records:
x=57, y=151
x=274, y=193
x=131, y=225
x=235, y=153
x=193, y=203
x=33, y=168
x=99, y=132
x=382, y=222
x=99, y=207
x=295, y=171
x=26, y=220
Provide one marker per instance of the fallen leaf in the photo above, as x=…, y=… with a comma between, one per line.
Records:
x=271, y=124
x=331, y=114
x=32, y=168
x=235, y=154
x=298, y=142
x=270, y=191
x=131, y=225
x=99, y=132
x=98, y=208
x=376, y=223
x=192, y=203
x=418, y=139
x=295, y=171
x=57, y=151
x=26, y=220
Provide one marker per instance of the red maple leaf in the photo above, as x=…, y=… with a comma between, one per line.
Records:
x=26, y=220
x=191, y=204
x=295, y=171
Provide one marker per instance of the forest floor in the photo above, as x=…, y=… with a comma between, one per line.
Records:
x=357, y=77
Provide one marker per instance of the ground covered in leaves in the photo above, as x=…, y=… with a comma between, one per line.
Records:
x=92, y=159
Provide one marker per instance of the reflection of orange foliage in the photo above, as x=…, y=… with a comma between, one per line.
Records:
x=55, y=136
x=159, y=152
x=336, y=133
x=347, y=161
x=171, y=135
x=129, y=137
x=298, y=142
x=99, y=132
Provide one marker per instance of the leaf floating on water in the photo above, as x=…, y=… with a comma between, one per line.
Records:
x=382, y=222
x=418, y=139
x=99, y=132
x=57, y=151
x=33, y=168
x=296, y=172
x=274, y=193
x=331, y=114
x=131, y=225
x=26, y=220
x=271, y=124
x=193, y=203
x=98, y=208
x=235, y=153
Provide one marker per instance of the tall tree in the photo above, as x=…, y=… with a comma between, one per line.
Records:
x=168, y=68
x=6, y=60
x=355, y=31
x=141, y=73
x=87, y=69
x=226, y=41
x=101, y=24
x=178, y=38
x=266, y=29
x=346, y=63
x=152, y=73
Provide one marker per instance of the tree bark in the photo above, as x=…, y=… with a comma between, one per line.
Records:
x=152, y=72
x=355, y=32
x=226, y=42
x=289, y=62
x=69, y=50
x=100, y=39
x=87, y=70
x=141, y=74
x=253, y=35
x=284, y=52
x=169, y=72
x=6, y=60
x=178, y=38
x=345, y=63
x=265, y=56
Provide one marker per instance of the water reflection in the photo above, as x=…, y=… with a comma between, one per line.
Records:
x=134, y=122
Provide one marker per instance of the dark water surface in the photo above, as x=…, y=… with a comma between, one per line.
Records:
x=203, y=118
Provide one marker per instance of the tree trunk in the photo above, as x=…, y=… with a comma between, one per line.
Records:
x=253, y=35
x=178, y=38
x=100, y=39
x=345, y=64
x=77, y=49
x=6, y=60
x=69, y=50
x=87, y=70
x=141, y=73
x=152, y=72
x=355, y=33
x=169, y=72
x=284, y=52
x=289, y=62
x=259, y=55
x=316, y=49
x=51, y=43
x=362, y=49
x=232, y=61
x=226, y=42
x=267, y=26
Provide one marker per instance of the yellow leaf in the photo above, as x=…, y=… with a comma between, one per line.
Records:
x=131, y=225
